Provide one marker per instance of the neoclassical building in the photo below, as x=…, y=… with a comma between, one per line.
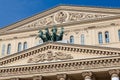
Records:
x=90, y=49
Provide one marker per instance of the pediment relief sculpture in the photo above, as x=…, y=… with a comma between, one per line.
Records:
x=63, y=17
x=50, y=56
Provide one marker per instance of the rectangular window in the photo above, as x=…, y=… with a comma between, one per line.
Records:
x=3, y=49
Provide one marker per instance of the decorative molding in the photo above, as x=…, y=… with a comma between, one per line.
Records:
x=73, y=65
x=84, y=74
x=37, y=77
x=50, y=56
x=59, y=46
x=63, y=17
x=61, y=76
x=114, y=72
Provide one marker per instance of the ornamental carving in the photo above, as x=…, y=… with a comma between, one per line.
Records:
x=50, y=56
x=46, y=21
x=37, y=77
x=114, y=71
x=75, y=16
x=61, y=76
x=84, y=74
x=61, y=17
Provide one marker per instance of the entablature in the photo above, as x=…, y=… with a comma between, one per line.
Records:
x=71, y=66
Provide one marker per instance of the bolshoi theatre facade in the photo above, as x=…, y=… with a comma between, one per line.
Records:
x=89, y=50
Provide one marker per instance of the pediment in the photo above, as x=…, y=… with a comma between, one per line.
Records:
x=62, y=15
x=56, y=53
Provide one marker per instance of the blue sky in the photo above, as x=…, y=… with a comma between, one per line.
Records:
x=12, y=11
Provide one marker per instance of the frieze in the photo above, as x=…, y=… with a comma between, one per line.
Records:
x=50, y=56
x=63, y=17
x=63, y=66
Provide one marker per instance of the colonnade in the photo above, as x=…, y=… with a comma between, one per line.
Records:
x=86, y=76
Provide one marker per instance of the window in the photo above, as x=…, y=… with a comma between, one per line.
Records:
x=107, y=37
x=82, y=39
x=8, y=48
x=100, y=40
x=72, y=39
x=25, y=45
x=19, y=47
x=3, y=49
x=119, y=34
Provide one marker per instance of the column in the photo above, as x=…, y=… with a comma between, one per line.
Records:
x=61, y=76
x=114, y=74
x=37, y=77
x=87, y=75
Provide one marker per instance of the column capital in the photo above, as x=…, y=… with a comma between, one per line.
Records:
x=114, y=72
x=14, y=79
x=87, y=75
x=61, y=76
x=37, y=77
x=84, y=74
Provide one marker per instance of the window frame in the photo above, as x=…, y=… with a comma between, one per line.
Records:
x=8, y=48
x=19, y=47
x=107, y=38
x=100, y=38
x=71, y=39
x=25, y=46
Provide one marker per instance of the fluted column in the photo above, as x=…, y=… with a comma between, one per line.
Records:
x=87, y=75
x=114, y=74
x=37, y=77
x=61, y=76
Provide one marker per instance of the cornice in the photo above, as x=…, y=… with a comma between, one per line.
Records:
x=61, y=7
x=59, y=46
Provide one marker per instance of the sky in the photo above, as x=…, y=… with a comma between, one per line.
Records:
x=12, y=11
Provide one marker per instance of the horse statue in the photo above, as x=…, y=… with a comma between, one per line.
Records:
x=47, y=34
x=41, y=35
x=51, y=37
x=54, y=34
x=61, y=34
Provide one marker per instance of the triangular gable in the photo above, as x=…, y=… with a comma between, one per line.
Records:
x=57, y=52
x=62, y=15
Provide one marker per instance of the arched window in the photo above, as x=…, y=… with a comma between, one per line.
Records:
x=100, y=39
x=82, y=39
x=107, y=37
x=3, y=49
x=72, y=39
x=19, y=46
x=25, y=45
x=119, y=34
x=8, y=48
